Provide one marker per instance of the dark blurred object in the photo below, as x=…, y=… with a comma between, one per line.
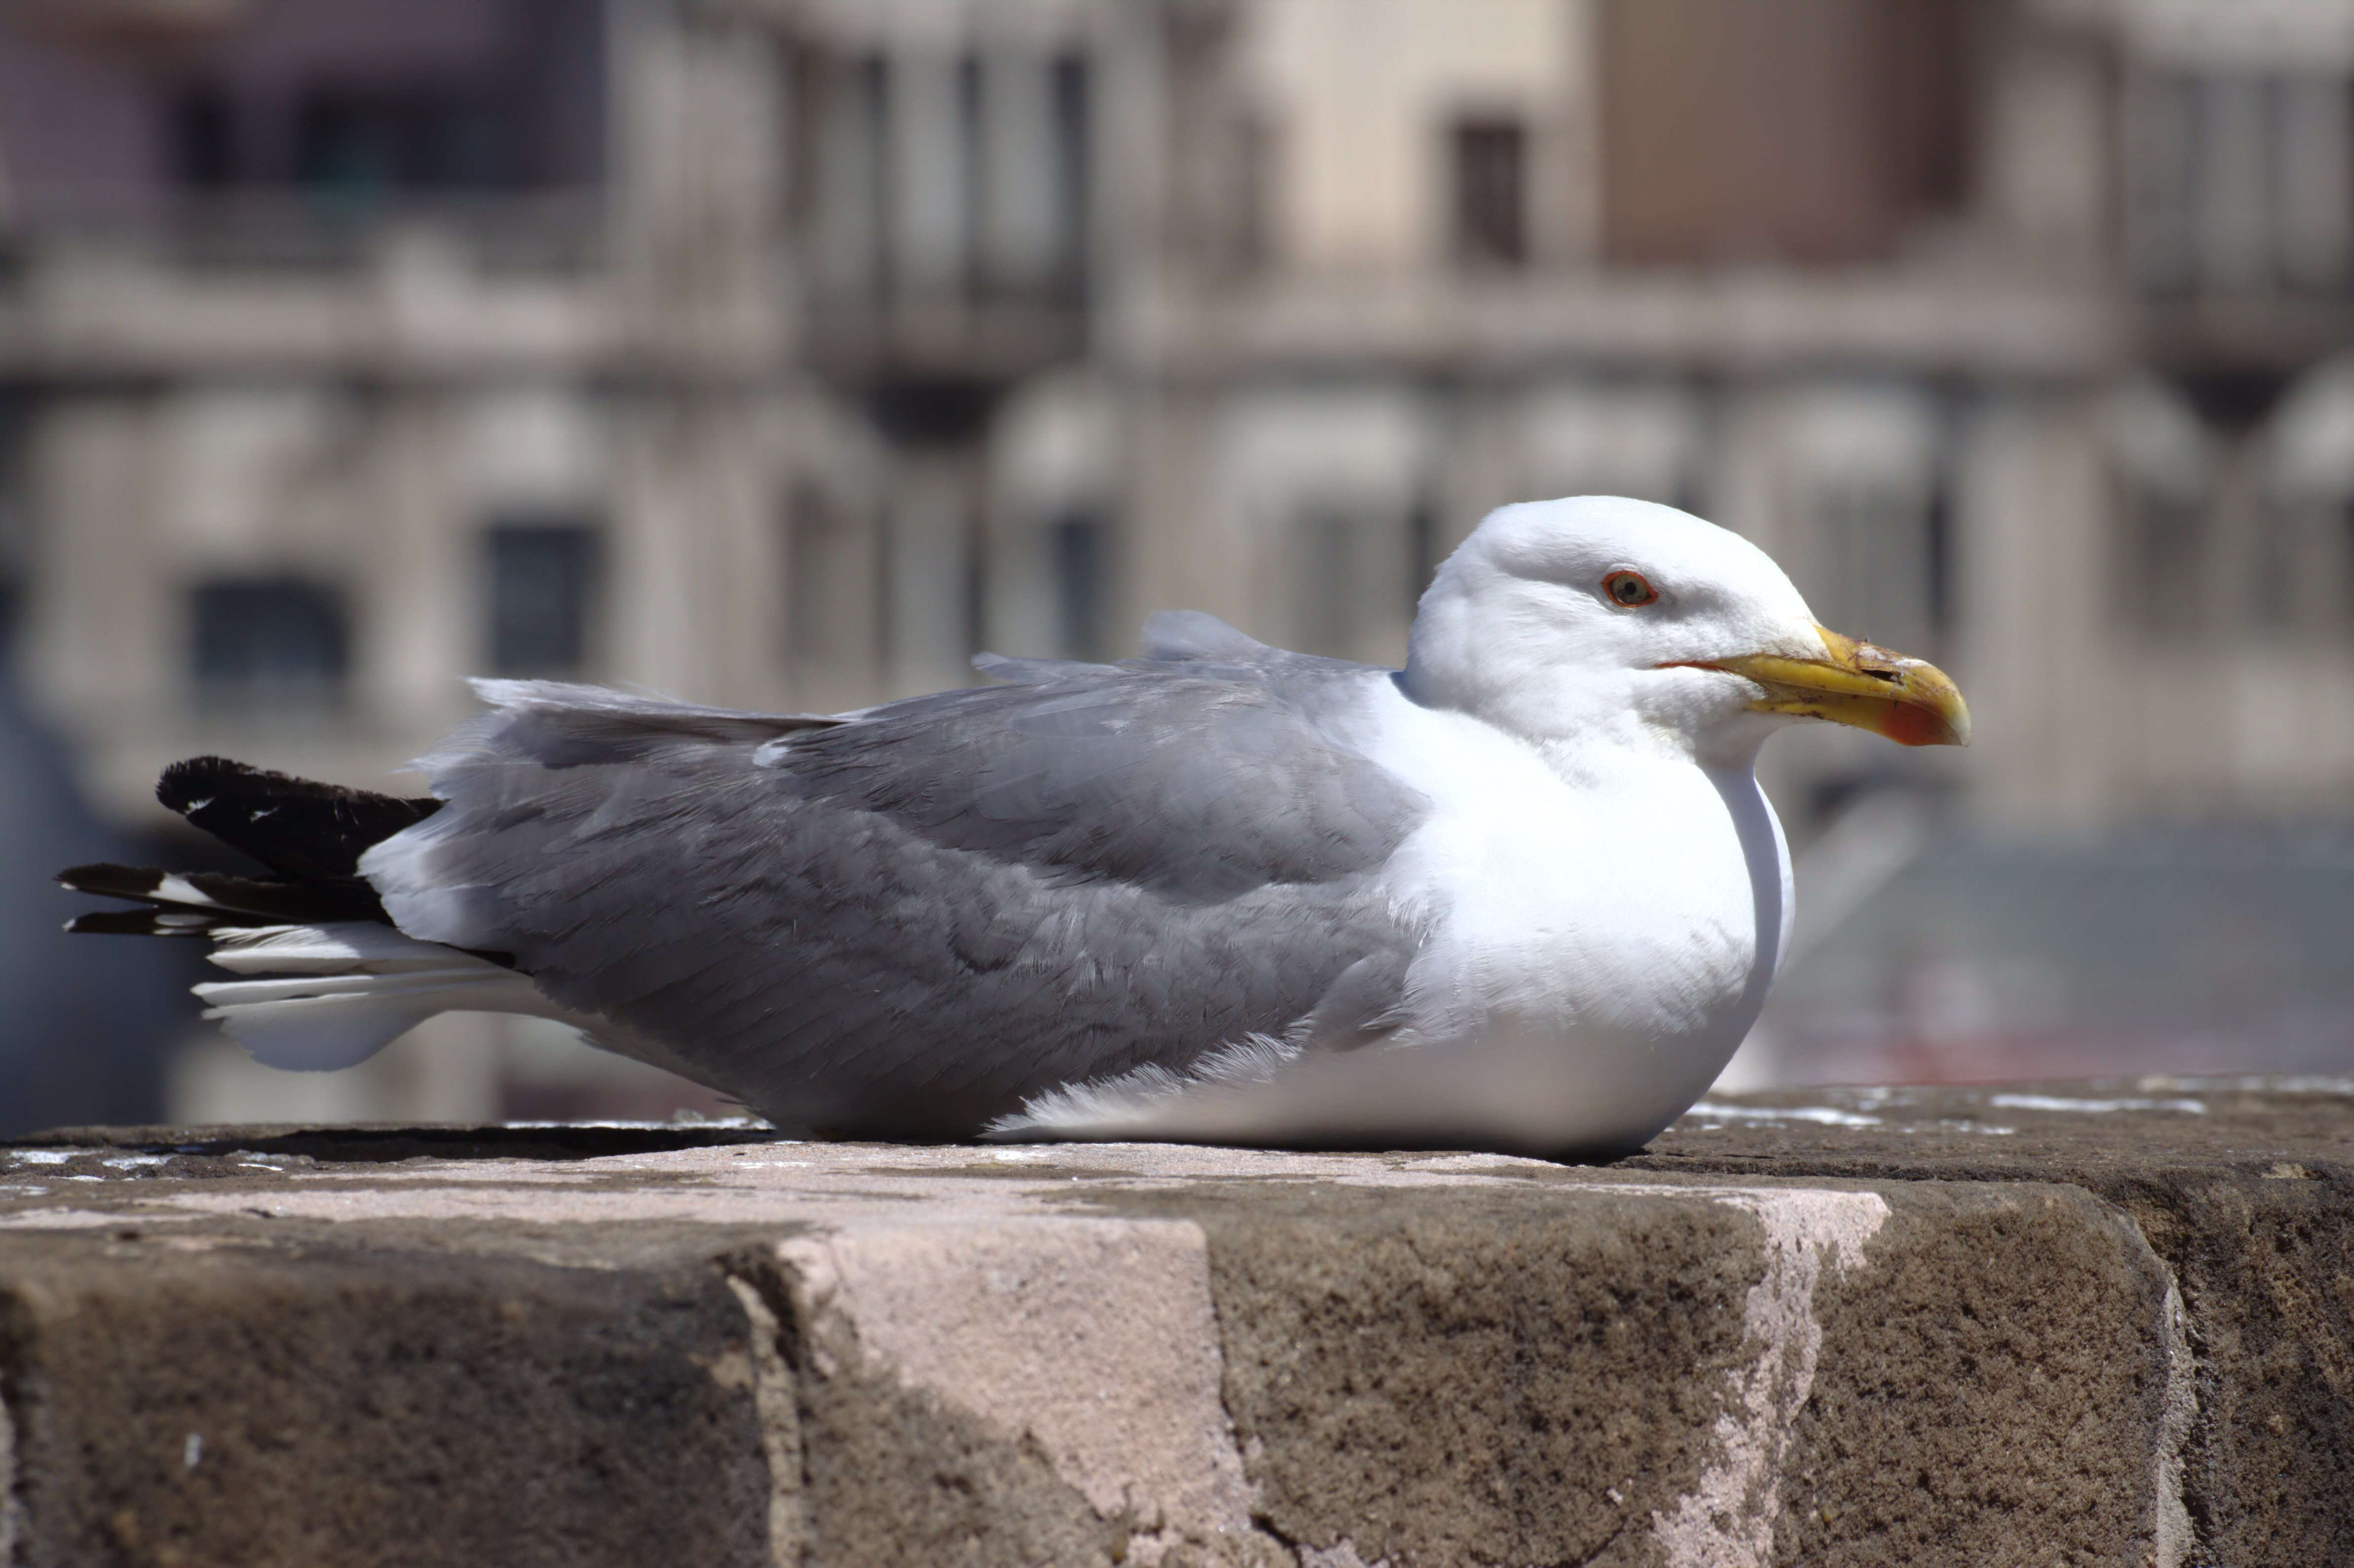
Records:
x=268, y=644
x=85, y=1022
x=179, y=114
x=541, y=584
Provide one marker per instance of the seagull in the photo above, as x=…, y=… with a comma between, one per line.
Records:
x=1524, y=895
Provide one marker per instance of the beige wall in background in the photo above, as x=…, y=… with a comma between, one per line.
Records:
x=1354, y=90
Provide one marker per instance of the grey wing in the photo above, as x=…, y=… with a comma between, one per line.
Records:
x=911, y=920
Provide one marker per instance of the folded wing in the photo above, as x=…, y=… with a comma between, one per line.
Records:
x=914, y=919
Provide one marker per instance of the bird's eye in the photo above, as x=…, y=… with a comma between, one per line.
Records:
x=1628, y=589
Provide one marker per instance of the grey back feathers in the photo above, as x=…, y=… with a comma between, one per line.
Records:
x=909, y=920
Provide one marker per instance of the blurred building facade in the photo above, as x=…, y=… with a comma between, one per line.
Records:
x=784, y=353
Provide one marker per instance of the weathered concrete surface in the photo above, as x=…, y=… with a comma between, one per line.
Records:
x=2103, y=1325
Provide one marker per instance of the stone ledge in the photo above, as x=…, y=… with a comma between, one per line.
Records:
x=2105, y=1324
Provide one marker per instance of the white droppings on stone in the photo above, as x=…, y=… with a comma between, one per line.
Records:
x=1827, y=1116
x=1727, y=1520
x=1025, y=1323
x=192, y=1452
x=44, y=1156
x=74, y=1219
x=674, y=1124
x=2093, y=1108
x=2292, y=1083
x=777, y=1404
x=2171, y=1526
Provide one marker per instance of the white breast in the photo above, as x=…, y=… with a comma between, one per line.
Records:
x=1640, y=894
x=1598, y=945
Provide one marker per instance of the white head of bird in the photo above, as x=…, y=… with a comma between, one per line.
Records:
x=1602, y=619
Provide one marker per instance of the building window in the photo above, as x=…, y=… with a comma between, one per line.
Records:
x=363, y=146
x=15, y=518
x=2291, y=554
x=832, y=580
x=2165, y=559
x=357, y=112
x=1490, y=193
x=270, y=643
x=204, y=137
x=1009, y=139
x=849, y=173
x=1882, y=547
x=1347, y=569
x=2242, y=183
x=2343, y=583
x=1250, y=216
x=1424, y=553
x=1078, y=551
x=1074, y=114
x=933, y=174
x=1938, y=545
x=543, y=587
x=1325, y=612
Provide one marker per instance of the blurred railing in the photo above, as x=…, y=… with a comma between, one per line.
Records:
x=863, y=333
x=557, y=232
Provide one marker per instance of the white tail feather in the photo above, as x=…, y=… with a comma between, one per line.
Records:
x=354, y=987
x=332, y=995
x=346, y=947
x=321, y=1034
x=241, y=993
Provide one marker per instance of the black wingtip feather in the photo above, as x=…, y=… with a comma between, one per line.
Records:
x=299, y=828
x=109, y=881
x=309, y=834
x=222, y=899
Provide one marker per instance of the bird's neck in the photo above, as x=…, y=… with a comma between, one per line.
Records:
x=1591, y=728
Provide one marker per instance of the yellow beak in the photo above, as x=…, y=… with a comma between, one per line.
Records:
x=1910, y=702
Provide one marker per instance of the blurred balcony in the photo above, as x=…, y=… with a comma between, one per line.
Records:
x=942, y=212
x=256, y=281
x=861, y=337
x=1924, y=318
